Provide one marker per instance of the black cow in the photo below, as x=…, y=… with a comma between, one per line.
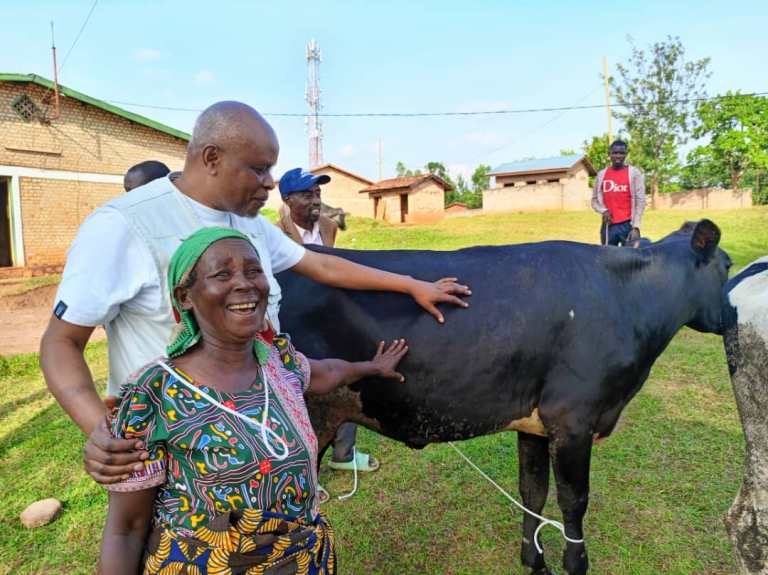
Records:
x=338, y=215
x=559, y=337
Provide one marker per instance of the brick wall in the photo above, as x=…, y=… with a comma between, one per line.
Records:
x=570, y=192
x=707, y=198
x=426, y=204
x=52, y=211
x=83, y=139
x=343, y=191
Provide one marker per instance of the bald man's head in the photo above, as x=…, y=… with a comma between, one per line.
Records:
x=230, y=123
x=229, y=158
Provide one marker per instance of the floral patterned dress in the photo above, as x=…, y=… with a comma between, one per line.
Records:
x=225, y=503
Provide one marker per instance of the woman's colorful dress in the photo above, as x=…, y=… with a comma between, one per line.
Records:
x=224, y=504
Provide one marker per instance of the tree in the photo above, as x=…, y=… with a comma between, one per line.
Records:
x=480, y=178
x=438, y=169
x=655, y=93
x=737, y=127
x=402, y=171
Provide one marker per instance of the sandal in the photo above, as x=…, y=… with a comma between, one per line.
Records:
x=322, y=494
x=365, y=463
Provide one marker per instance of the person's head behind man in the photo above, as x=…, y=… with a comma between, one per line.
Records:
x=143, y=173
x=618, y=153
x=300, y=191
x=230, y=158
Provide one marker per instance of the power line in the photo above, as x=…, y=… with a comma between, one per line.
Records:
x=80, y=33
x=540, y=127
x=449, y=114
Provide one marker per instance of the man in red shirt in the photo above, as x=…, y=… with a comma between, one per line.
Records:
x=619, y=196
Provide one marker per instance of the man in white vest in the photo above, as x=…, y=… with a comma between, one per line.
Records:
x=115, y=273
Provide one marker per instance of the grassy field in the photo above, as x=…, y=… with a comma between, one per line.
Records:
x=660, y=485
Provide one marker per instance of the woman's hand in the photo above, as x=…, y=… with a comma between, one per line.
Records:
x=328, y=374
x=385, y=361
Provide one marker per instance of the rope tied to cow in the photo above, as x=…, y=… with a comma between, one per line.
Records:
x=544, y=521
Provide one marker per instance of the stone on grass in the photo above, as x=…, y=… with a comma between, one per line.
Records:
x=40, y=513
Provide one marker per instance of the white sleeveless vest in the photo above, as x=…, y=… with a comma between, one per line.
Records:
x=162, y=217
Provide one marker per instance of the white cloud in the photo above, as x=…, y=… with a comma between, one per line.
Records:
x=147, y=55
x=204, y=77
x=348, y=151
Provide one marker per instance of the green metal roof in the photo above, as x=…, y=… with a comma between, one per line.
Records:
x=139, y=119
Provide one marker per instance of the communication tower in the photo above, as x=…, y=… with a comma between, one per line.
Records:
x=313, y=123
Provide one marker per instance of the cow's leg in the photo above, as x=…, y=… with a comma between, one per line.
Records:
x=533, y=455
x=570, y=459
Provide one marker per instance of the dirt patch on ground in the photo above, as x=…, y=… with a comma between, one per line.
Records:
x=41, y=297
x=24, y=317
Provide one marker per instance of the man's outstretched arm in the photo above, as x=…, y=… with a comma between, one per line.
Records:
x=338, y=272
x=66, y=373
x=70, y=381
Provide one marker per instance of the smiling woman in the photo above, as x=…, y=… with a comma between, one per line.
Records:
x=232, y=475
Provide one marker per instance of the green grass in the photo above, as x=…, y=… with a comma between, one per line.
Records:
x=744, y=232
x=660, y=484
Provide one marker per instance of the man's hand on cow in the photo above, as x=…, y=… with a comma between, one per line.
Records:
x=444, y=290
x=385, y=361
x=607, y=217
x=634, y=237
x=110, y=460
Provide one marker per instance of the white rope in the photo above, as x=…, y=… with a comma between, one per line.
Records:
x=354, y=469
x=544, y=521
x=262, y=425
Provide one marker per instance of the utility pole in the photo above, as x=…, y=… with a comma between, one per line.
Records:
x=607, y=99
x=55, y=77
x=312, y=121
x=381, y=160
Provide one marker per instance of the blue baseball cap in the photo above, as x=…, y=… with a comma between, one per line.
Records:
x=297, y=180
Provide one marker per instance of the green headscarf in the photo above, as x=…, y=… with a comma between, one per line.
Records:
x=187, y=333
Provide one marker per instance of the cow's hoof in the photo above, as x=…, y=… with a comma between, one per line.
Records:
x=539, y=571
x=575, y=560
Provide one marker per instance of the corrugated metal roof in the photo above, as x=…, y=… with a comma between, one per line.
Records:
x=139, y=119
x=536, y=165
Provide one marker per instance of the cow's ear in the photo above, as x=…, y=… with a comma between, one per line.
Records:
x=706, y=236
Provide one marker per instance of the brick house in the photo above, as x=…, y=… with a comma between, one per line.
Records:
x=55, y=170
x=409, y=199
x=560, y=183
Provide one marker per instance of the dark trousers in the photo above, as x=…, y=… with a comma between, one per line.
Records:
x=617, y=233
x=344, y=442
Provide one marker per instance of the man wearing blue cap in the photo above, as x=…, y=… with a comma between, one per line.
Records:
x=304, y=224
x=301, y=219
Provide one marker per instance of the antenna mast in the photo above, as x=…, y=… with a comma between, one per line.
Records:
x=314, y=125
x=55, y=78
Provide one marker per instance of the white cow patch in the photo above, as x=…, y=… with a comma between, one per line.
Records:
x=750, y=298
x=531, y=424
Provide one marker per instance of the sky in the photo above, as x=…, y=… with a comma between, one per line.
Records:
x=394, y=56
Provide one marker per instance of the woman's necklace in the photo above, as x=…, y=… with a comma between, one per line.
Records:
x=262, y=426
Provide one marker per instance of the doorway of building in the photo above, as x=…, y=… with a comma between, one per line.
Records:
x=403, y=208
x=6, y=258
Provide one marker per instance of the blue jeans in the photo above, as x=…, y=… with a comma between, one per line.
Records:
x=617, y=233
